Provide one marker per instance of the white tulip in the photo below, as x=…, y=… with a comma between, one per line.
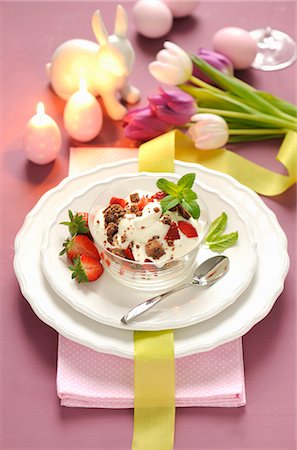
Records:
x=209, y=131
x=173, y=65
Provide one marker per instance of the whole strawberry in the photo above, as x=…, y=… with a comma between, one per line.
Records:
x=79, y=245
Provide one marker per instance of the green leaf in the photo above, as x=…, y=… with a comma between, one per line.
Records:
x=167, y=186
x=180, y=193
x=189, y=195
x=192, y=208
x=237, y=87
x=223, y=242
x=216, y=227
x=186, y=181
x=283, y=105
x=208, y=99
x=76, y=224
x=169, y=202
x=261, y=137
x=78, y=271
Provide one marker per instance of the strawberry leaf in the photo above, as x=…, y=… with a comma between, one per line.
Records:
x=78, y=271
x=76, y=224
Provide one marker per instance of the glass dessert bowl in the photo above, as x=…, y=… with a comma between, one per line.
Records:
x=142, y=244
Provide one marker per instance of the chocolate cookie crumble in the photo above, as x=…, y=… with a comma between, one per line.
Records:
x=134, y=198
x=154, y=248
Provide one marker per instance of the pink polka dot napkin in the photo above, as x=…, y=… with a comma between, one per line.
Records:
x=86, y=378
x=89, y=379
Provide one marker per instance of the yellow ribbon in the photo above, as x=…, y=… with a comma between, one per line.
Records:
x=175, y=144
x=154, y=391
x=154, y=386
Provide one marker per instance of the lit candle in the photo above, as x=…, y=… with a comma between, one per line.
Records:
x=83, y=115
x=42, y=139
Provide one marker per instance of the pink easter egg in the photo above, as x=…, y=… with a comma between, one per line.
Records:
x=237, y=45
x=181, y=8
x=152, y=18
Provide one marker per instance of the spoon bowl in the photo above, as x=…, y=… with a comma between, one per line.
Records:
x=211, y=270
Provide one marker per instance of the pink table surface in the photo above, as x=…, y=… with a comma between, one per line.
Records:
x=31, y=417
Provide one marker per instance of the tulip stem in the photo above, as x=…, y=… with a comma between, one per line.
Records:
x=195, y=92
x=260, y=117
x=247, y=132
x=205, y=85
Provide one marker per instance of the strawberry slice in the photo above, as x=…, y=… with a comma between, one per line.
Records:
x=129, y=253
x=173, y=233
x=86, y=269
x=79, y=245
x=149, y=267
x=187, y=229
x=143, y=202
x=159, y=195
x=118, y=201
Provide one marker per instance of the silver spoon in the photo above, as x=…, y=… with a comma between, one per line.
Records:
x=208, y=273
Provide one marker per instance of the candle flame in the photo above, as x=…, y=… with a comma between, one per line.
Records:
x=83, y=85
x=40, y=109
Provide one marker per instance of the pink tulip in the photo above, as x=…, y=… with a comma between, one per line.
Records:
x=142, y=124
x=175, y=107
x=217, y=60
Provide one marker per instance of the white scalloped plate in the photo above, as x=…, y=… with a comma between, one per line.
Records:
x=251, y=307
x=106, y=300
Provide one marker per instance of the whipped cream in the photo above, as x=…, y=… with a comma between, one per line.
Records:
x=144, y=232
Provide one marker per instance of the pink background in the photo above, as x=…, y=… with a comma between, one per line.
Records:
x=31, y=417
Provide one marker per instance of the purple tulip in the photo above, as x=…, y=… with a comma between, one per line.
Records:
x=174, y=107
x=142, y=124
x=217, y=60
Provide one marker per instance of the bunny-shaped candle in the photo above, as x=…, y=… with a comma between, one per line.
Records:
x=105, y=67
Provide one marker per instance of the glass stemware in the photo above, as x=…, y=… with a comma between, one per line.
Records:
x=276, y=49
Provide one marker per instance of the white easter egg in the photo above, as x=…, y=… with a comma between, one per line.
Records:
x=237, y=44
x=180, y=8
x=42, y=139
x=152, y=18
x=83, y=116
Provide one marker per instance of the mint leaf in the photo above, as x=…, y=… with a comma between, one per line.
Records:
x=189, y=195
x=180, y=193
x=167, y=186
x=217, y=241
x=169, y=202
x=186, y=181
x=192, y=208
x=216, y=227
x=221, y=243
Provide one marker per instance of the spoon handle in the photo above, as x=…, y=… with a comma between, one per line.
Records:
x=148, y=304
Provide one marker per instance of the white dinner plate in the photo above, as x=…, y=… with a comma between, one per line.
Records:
x=251, y=307
x=107, y=300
